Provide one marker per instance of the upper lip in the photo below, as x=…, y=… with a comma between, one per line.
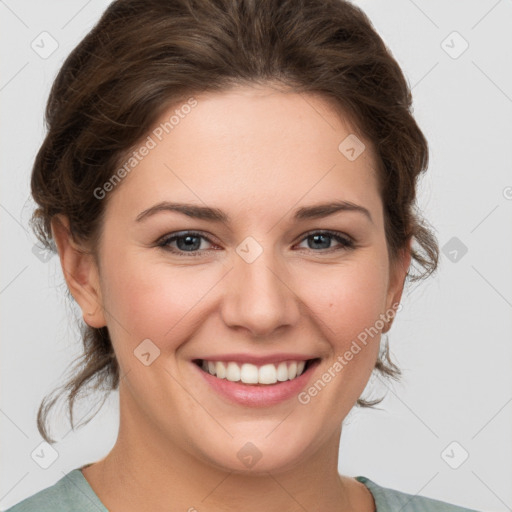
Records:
x=258, y=360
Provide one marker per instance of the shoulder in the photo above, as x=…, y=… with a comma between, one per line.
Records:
x=71, y=493
x=388, y=500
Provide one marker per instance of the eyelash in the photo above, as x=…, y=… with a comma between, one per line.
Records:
x=346, y=243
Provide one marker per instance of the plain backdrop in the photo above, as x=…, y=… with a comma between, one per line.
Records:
x=445, y=431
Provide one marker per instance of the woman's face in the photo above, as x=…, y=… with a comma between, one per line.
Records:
x=261, y=285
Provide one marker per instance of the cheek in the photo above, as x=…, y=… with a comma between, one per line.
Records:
x=346, y=300
x=154, y=301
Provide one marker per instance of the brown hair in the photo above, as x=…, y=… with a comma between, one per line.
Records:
x=144, y=55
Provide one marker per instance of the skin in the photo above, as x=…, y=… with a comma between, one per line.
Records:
x=257, y=153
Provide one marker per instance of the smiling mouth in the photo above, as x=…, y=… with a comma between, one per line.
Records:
x=250, y=374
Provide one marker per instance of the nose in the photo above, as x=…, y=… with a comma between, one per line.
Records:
x=260, y=296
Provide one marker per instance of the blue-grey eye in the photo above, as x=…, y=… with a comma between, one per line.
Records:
x=323, y=240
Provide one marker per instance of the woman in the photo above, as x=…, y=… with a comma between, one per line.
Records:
x=230, y=186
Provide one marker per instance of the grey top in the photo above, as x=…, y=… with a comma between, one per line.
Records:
x=72, y=493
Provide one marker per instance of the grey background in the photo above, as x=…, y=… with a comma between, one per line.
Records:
x=452, y=338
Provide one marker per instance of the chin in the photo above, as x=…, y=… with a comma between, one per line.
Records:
x=255, y=457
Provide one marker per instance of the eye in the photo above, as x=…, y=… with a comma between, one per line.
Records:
x=187, y=242
x=323, y=239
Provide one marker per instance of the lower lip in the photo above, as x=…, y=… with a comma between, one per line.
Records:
x=262, y=395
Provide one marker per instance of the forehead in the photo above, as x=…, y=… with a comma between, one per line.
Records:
x=248, y=146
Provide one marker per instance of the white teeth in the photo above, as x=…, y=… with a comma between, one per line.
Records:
x=292, y=370
x=233, y=372
x=282, y=372
x=268, y=374
x=251, y=374
x=220, y=370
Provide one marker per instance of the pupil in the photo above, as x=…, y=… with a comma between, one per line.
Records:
x=317, y=240
x=189, y=242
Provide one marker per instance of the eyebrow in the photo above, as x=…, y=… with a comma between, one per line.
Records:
x=316, y=211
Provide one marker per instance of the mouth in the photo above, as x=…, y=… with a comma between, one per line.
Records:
x=257, y=375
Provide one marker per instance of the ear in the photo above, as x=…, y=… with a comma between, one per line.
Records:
x=80, y=271
x=396, y=284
